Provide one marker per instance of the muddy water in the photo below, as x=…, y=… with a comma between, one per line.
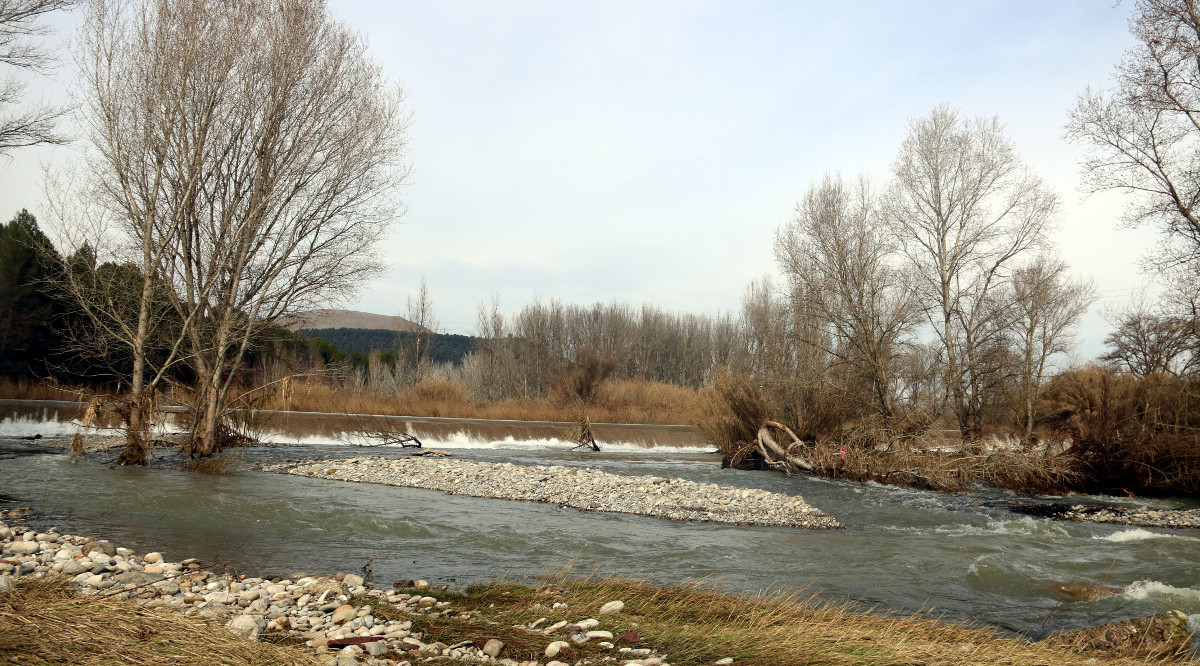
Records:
x=904, y=549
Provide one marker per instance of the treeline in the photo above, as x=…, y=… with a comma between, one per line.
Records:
x=360, y=343
x=45, y=337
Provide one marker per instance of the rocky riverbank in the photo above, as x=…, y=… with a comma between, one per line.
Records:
x=1115, y=515
x=342, y=621
x=579, y=488
x=340, y=616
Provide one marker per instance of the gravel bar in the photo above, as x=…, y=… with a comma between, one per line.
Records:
x=1113, y=515
x=578, y=488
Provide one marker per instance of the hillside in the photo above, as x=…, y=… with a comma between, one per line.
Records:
x=329, y=319
x=447, y=348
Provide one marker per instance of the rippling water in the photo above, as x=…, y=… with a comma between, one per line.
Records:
x=904, y=549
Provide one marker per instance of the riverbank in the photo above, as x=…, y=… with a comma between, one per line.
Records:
x=70, y=599
x=578, y=488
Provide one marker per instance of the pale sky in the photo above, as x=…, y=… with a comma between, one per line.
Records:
x=647, y=151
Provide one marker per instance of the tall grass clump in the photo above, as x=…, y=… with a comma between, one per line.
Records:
x=1138, y=434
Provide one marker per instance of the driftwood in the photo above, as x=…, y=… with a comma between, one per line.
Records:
x=581, y=434
x=378, y=431
x=789, y=459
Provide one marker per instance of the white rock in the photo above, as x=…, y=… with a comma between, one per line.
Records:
x=723, y=662
x=612, y=608
x=23, y=547
x=493, y=647
x=352, y=580
x=555, y=648
x=246, y=626
x=606, y=635
x=153, y=558
x=6, y=583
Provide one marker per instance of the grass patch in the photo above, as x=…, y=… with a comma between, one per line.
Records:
x=692, y=624
x=43, y=622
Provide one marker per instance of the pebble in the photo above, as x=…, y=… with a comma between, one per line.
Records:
x=556, y=648
x=579, y=488
x=314, y=609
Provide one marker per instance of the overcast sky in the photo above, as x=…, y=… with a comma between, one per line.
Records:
x=647, y=151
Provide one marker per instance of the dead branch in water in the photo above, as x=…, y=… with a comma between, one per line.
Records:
x=581, y=434
x=377, y=431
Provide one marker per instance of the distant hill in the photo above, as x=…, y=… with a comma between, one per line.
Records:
x=447, y=348
x=330, y=319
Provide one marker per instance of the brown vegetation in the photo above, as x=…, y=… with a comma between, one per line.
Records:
x=43, y=622
x=1132, y=434
x=616, y=401
x=897, y=451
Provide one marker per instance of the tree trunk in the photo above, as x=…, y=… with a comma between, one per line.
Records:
x=137, y=419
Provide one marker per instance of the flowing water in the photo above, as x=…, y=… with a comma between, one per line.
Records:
x=905, y=550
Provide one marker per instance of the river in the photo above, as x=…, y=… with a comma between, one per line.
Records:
x=902, y=550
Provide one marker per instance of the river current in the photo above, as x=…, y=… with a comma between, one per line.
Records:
x=962, y=556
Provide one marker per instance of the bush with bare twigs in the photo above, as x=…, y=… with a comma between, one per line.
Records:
x=1133, y=434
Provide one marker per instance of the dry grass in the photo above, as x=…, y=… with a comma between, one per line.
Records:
x=695, y=625
x=1135, y=434
x=911, y=451
x=23, y=389
x=618, y=401
x=42, y=622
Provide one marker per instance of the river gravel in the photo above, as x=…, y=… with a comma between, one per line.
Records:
x=332, y=615
x=585, y=489
x=1169, y=518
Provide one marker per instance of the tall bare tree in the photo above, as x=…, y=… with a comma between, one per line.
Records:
x=963, y=208
x=836, y=251
x=417, y=346
x=1143, y=134
x=21, y=23
x=252, y=151
x=1047, y=305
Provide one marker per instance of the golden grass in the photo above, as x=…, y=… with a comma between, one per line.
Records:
x=43, y=622
x=619, y=401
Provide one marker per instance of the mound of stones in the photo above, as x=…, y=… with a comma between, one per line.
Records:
x=579, y=488
x=1115, y=515
x=321, y=610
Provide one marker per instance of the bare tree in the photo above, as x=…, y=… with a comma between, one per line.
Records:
x=1143, y=135
x=252, y=152
x=1047, y=306
x=20, y=26
x=838, y=254
x=416, y=350
x=1147, y=341
x=963, y=208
